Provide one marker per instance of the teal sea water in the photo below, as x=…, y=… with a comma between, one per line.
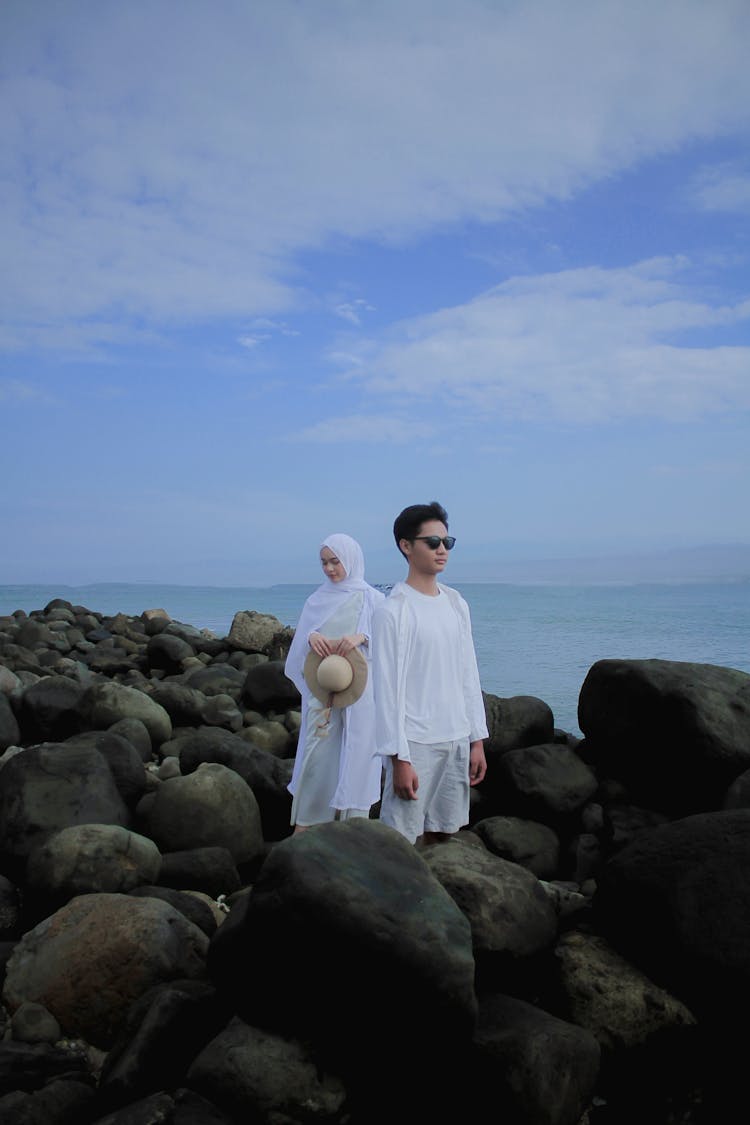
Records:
x=530, y=640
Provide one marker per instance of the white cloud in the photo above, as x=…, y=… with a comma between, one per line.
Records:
x=364, y=428
x=581, y=345
x=170, y=170
x=352, y=310
x=19, y=391
x=725, y=187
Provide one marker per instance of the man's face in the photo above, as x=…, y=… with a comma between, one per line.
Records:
x=421, y=557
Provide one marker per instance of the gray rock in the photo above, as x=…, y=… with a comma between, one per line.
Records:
x=155, y=621
x=346, y=886
x=266, y=775
x=271, y=736
x=546, y=783
x=32, y=1023
x=51, y=709
x=168, y=652
x=258, y=632
x=601, y=991
x=60, y=1101
x=10, y=908
x=511, y=917
x=10, y=732
x=122, y=758
x=676, y=733
x=222, y=711
x=676, y=901
x=212, y=807
x=106, y=703
x=520, y=720
x=164, y=1030
x=266, y=688
x=530, y=1066
x=218, y=679
x=194, y=908
x=257, y=1075
x=183, y=704
x=51, y=787
x=136, y=733
x=532, y=845
x=87, y=859
x=211, y=870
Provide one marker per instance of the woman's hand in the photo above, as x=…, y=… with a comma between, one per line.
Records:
x=322, y=646
x=352, y=641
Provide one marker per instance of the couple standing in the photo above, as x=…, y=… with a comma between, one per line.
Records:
x=420, y=712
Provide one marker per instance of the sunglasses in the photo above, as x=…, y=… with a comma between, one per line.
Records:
x=434, y=541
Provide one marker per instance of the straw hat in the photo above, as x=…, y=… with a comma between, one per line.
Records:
x=337, y=681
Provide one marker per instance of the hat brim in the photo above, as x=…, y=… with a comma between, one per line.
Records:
x=337, y=698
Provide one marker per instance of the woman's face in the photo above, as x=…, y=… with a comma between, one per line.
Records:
x=333, y=568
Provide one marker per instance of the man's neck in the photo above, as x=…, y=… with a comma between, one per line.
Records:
x=423, y=583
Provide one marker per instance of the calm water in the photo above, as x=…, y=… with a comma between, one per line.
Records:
x=530, y=640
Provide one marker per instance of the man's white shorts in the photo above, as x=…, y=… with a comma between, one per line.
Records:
x=442, y=803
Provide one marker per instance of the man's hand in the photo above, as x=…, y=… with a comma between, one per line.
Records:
x=405, y=780
x=477, y=763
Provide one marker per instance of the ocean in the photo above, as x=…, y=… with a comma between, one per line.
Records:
x=530, y=639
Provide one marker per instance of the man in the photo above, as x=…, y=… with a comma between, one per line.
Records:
x=430, y=718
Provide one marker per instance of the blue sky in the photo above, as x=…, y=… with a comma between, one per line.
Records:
x=276, y=269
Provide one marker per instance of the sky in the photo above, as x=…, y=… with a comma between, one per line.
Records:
x=277, y=268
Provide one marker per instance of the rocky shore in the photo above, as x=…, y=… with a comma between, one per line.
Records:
x=169, y=953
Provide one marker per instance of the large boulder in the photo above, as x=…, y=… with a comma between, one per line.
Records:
x=512, y=918
x=676, y=733
x=217, y=679
x=526, y=842
x=212, y=807
x=106, y=703
x=51, y=709
x=677, y=902
x=184, y=705
x=88, y=962
x=168, y=652
x=10, y=732
x=349, y=909
x=124, y=761
x=89, y=859
x=163, y=1031
x=547, y=783
x=646, y=1035
x=50, y=787
x=266, y=688
x=267, y=776
x=259, y=632
x=530, y=1066
x=515, y=721
x=256, y=1075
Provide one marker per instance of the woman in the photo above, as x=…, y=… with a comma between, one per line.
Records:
x=336, y=772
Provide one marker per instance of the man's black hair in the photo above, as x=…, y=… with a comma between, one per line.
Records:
x=407, y=523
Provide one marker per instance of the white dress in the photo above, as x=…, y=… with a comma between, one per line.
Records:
x=336, y=770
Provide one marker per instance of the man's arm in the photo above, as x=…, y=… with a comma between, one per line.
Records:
x=390, y=717
x=472, y=687
x=477, y=762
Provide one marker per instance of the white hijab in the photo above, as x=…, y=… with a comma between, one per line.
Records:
x=326, y=599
